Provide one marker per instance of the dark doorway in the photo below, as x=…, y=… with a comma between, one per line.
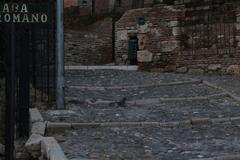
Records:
x=132, y=49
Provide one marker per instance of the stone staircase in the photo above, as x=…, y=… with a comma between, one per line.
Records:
x=134, y=115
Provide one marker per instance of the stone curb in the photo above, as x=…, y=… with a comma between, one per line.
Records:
x=150, y=101
x=193, y=122
x=102, y=67
x=158, y=100
x=37, y=145
x=136, y=86
x=233, y=96
x=51, y=149
x=226, y=157
x=37, y=125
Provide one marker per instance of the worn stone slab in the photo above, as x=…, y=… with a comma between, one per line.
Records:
x=33, y=145
x=38, y=128
x=51, y=149
x=35, y=115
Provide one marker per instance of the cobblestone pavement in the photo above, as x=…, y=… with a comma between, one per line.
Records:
x=106, y=96
x=152, y=143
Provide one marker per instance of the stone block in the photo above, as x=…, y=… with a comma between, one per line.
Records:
x=238, y=26
x=51, y=149
x=142, y=41
x=143, y=28
x=170, y=68
x=33, y=145
x=144, y=56
x=35, y=115
x=214, y=67
x=200, y=121
x=38, y=128
x=233, y=70
x=176, y=31
x=169, y=46
x=173, y=23
x=196, y=71
x=181, y=70
x=122, y=35
x=2, y=149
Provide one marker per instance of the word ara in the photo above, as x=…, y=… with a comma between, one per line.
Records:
x=19, y=13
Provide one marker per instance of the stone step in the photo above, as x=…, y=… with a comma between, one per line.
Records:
x=172, y=91
x=209, y=142
x=102, y=67
x=108, y=78
x=165, y=111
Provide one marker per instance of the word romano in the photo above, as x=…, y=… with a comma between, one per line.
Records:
x=18, y=13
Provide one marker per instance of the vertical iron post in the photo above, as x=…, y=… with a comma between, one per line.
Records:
x=10, y=98
x=59, y=56
x=113, y=31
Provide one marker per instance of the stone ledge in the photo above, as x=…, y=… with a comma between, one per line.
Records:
x=194, y=121
x=233, y=96
x=102, y=67
x=51, y=149
x=226, y=157
x=35, y=115
x=137, y=86
x=150, y=101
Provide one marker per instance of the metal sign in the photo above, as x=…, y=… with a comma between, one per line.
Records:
x=23, y=13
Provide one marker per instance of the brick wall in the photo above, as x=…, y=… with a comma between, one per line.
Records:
x=185, y=37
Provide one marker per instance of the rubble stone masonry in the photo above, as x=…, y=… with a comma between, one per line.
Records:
x=174, y=38
x=158, y=41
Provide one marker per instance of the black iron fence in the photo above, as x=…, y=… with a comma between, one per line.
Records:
x=27, y=73
x=208, y=29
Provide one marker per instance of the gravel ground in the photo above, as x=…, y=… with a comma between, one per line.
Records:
x=151, y=143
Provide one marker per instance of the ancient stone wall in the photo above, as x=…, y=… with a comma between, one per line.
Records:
x=157, y=39
x=208, y=38
x=89, y=45
x=185, y=37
